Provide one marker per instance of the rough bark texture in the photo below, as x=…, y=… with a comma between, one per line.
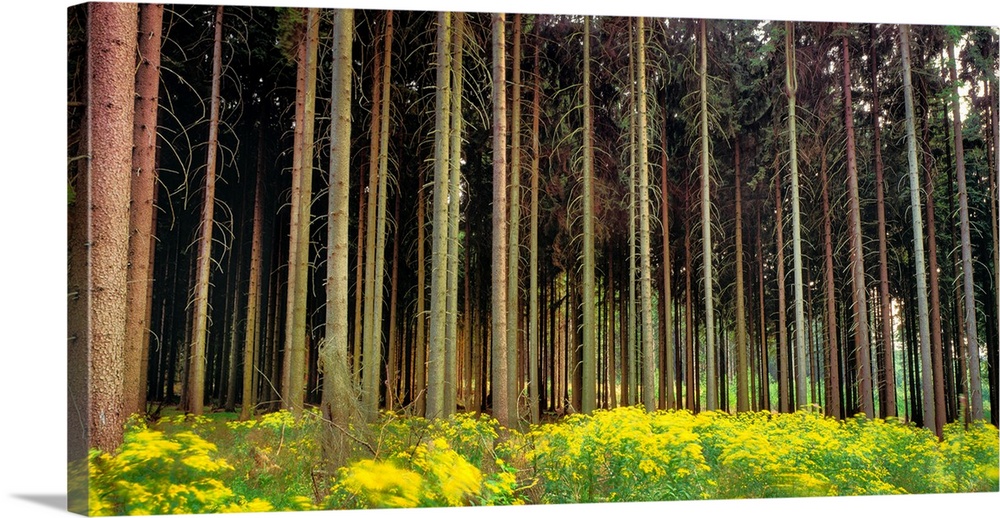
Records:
x=143, y=185
x=645, y=261
x=498, y=380
x=196, y=362
x=514, y=225
x=669, y=374
x=338, y=399
x=439, y=229
x=111, y=62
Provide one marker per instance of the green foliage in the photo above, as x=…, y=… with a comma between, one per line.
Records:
x=187, y=464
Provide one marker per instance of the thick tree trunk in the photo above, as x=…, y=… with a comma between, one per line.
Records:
x=339, y=401
x=196, y=376
x=140, y=279
x=439, y=229
x=630, y=367
x=498, y=381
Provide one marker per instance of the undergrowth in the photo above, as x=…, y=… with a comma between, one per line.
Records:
x=187, y=464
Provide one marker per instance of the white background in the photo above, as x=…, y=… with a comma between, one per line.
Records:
x=33, y=254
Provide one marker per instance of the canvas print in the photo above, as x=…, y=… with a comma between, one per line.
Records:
x=350, y=258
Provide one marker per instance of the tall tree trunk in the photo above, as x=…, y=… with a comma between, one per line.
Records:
x=339, y=403
x=669, y=374
x=196, y=376
x=439, y=229
x=533, y=373
x=630, y=364
x=499, y=379
x=971, y=333
x=791, y=85
x=589, y=378
x=143, y=186
x=927, y=383
x=372, y=355
x=104, y=203
x=711, y=391
x=395, y=361
x=742, y=389
x=420, y=345
x=455, y=149
x=888, y=406
x=514, y=227
x=858, y=293
x=645, y=266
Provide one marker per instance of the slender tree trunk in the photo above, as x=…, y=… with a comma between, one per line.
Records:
x=927, y=383
x=589, y=375
x=196, y=376
x=706, y=232
x=742, y=397
x=339, y=403
x=533, y=377
x=888, y=407
x=765, y=378
x=782, y=345
x=971, y=333
x=630, y=364
x=250, y=346
x=858, y=292
x=499, y=381
x=690, y=374
x=394, y=363
x=372, y=354
x=669, y=374
x=420, y=352
x=143, y=185
x=791, y=85
x=829, y=289
x=455, y=150
x=645, y=267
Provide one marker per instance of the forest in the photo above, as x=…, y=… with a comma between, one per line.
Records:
x=474, y=255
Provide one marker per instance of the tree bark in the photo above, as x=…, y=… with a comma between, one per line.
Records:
x=533, y=336
x=742, y=389
x=498, y=382
x=339, y=401
x=711, y=391
x=858, y=292
x=927, y=383
x=791, y=85
x=196, y=376
x=589, y=398
x=645, y=261
x=143, y=186
x=455, y=149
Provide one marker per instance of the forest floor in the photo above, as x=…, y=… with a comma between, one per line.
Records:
x=216, y=463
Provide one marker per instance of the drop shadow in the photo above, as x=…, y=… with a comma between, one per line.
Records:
x=55, y=501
